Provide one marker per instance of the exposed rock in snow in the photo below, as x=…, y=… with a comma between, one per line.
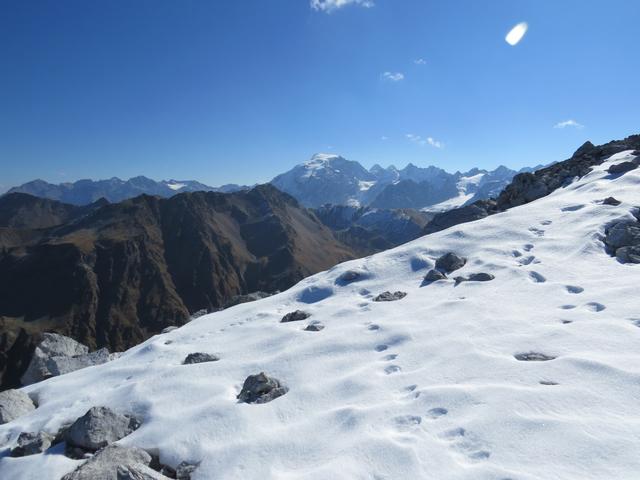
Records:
x=104, y=465
x=295, y=316
x=99, y=427
x=611, y=201
x=434, y=275
x=56, y=355
x=169, y=329
x=450, y=262
x=14, y=404
x=249, y=297
x=184, y=470
x=32, y=443
x=533, y=357
x=315, y=326
x=261, y=389
x=200, y=357
x=623, y=167
x=623, y=239
x=475, y=277
x=390, y=297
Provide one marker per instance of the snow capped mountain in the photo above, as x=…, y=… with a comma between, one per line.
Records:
x=333, y=179
x=526, y=367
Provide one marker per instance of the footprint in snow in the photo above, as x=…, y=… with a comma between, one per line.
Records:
x=537, y=231
x=391, y=369
x=595, y=307
x=573, y=208
x=381, y=348
x=574, y=289
x=391, y=356
x=407, y=422
x=567, y=307
x=437, y=412
x=466, y=443
x=546, y=222
x=516, y=253
x=528, y=260
x=528, y=247
x=536, y=277
x=373, y=327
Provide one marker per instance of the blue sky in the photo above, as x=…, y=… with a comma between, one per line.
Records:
x=238, y=91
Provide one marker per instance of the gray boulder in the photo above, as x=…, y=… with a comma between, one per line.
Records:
x=624, y=167
x=14, y=404
x=450, y=262
x=623, y=240
x=99, y=427
x=434, y=275
x=105, y=463
x=32, y=443
x=295, y=316
x=200, y=357
x=261, y=388
x=533, y=357
x=56, y=355
x=390, y=297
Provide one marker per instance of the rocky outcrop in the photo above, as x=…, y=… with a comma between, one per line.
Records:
x=434, y=275
x=100, y=427
x=14, y=404
x=468, y=213
x=450, y=262
x=623, y=167
x=122, y=272
x=261, y=388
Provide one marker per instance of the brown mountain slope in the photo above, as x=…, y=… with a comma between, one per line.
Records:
x=114, y=275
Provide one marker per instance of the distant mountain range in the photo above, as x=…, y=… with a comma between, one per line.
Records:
x=84, y=192
x=325, y=179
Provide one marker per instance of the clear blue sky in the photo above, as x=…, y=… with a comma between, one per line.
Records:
x=240, y=90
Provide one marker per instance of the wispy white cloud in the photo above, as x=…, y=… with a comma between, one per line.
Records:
x=568, y=123
x=422, y=141
x=393, y=76
x=420, y=61
x=329, y=6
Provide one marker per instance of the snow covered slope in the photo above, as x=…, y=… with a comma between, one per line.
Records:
x=426, y=387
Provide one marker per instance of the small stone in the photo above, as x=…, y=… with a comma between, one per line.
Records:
x=99, y=427
x=314, y=327
x=434, y=275
x=14, y=404
x=31, y=443
x=295, y=316
x=390, y=297
x=200, y=357
x=168, y=329
x=261, y=389
x=449, y=262
x=611, y=201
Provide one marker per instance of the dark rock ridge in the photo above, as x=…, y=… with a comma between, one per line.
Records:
x=527, y=187
x=117, y=274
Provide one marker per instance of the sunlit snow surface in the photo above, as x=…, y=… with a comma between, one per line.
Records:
x=423, y=388
x=516, y=33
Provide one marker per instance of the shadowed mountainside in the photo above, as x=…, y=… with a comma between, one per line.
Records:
x=114, y=274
